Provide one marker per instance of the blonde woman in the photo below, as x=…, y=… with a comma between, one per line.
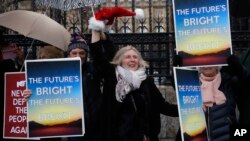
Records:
x=132, y=103
x=49, y=52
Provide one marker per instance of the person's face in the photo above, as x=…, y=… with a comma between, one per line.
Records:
x=77, y=52
x=130, y=60
x=19, y=53
x=209, y=71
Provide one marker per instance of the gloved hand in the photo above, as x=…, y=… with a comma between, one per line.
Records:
x=98, y=25
x=95, y=24
x=177, y=60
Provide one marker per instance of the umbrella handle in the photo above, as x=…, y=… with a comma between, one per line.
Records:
x=27, y=54
x=92, y=9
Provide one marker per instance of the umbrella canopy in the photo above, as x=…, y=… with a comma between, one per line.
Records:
x=37, y=26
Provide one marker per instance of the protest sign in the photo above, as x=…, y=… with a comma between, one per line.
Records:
x=202, y=31
x=191, y=115
x=55, y=107
x=15, y=110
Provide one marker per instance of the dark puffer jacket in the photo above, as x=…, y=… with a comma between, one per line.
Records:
x=220, y=117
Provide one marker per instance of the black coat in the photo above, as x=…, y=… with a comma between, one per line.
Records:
x=241, y=86
x=242, y=92
x=92, y=95
x=129, y=121
x=5, y=66
x=92, y=99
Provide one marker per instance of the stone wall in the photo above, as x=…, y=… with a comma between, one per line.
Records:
x=169, y=125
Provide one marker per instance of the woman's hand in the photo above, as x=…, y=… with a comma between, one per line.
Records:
x=26, y=94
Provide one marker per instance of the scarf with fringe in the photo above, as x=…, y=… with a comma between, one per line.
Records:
x=128, y=81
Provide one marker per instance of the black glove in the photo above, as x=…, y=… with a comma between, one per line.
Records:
x=177, y=60
x=234, y=65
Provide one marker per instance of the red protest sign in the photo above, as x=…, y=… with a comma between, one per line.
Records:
x=15, y=109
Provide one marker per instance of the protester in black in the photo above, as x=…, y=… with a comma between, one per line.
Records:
x=132, y=103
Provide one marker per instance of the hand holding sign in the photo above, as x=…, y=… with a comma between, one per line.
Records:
x=26, y=94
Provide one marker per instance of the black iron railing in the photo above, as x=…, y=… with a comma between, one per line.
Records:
x=156, y=48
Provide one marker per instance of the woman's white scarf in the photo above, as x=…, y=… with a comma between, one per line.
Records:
x=127, y=81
